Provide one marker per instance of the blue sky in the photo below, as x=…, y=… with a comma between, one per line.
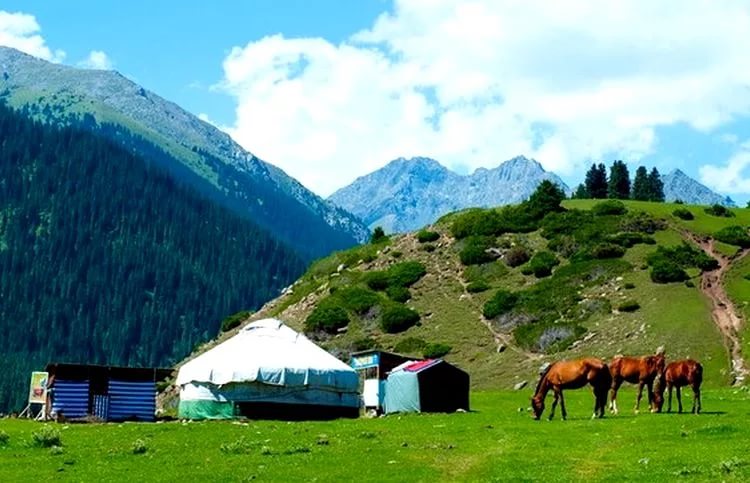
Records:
x=332, y=89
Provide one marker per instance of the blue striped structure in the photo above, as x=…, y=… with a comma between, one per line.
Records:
x=70, y=398
x=132, y=400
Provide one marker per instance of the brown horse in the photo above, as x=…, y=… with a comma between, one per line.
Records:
x=679, y=374
x=635, y=370
x=572, y=375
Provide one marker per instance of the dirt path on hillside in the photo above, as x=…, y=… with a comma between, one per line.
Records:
x=725, y=314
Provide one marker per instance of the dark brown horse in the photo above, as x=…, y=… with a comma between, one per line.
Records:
x=572, y=375
x=635, y=370
x=680, y=374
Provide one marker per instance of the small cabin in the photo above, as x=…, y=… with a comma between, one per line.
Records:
x=373, y=367
x=102, y=393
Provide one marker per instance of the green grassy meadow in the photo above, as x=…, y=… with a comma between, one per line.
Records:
x=498, y=440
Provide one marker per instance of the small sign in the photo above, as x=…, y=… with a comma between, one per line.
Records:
x=38, y=388
x=365, y=360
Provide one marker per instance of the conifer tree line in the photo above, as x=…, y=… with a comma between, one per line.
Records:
x=646, y=186
x=107, y=259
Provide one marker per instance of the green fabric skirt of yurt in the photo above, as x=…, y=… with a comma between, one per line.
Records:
x=202, y=409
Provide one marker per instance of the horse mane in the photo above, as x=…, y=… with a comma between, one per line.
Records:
x=541, y=378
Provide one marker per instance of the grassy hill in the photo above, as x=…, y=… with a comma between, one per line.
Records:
x=585, y=307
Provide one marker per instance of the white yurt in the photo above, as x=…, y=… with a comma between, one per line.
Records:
x=267, y=370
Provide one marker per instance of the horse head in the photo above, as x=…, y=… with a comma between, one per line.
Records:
x=659, y=386
x=537, y=404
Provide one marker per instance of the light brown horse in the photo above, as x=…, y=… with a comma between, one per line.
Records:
x=635, y=370
x=679, y=374
x=572, y=375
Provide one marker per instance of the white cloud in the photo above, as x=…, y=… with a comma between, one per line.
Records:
x=98, y=60
x=475, y=82
x=734, y=176
x=21, y=31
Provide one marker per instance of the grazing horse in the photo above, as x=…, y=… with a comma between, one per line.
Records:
x=572, y=375
x=635, y=370
x=679, y=374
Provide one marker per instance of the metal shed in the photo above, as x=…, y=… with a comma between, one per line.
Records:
x=105, y=393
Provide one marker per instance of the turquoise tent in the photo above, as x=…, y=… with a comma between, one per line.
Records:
x=427, y=386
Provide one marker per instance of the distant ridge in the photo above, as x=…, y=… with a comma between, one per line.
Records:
x=407, y=194
x=679, y=186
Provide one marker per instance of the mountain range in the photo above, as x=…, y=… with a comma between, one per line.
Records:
x=407, y=194
x=199, y=153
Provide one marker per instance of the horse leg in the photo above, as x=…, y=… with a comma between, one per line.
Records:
x=650, y=389
x=554, y=405
x=696, y=399
x=669, y=404
x=679, y=400
x=562, y=406
x=638, y=399
x=613, y=402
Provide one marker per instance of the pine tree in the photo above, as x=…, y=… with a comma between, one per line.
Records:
x=581, y=193
x=596, y=181
x=619, y=181
x=642, y=185
x=545, y=199
x=655, y=186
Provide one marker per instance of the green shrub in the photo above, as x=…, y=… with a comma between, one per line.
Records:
x=719, y=210
x=397, y=254
x=377, y=280
x=565, y=245
x=235, y=320
x=502, y=302
x=516, y=256
x=629, y=306
x=427, y=247
x=46, y=437
x=139, y=447
x=667, y=271
x=477, y=287
x=358, y=300
x=527, y=270
x=398, y=294
x=629, y=239
x=689, y=284
x=734, y=235
x=629, y=286
x=683, y=214
x=475, y=251
x=565, y=223
x=328, y=316
x=436, y=350
x=519, y=219
x=640, y=221
x=542, y=263
x=684, y=256
x=746, y=276
x=477, y=222
x=378, y=236
x=426, y=236
x=405, y=274
x=365, y=343
x=4, y=438
x=607, y=250
x=545, y=199
x=410, y=345
x=609, y=207
x=398, y=318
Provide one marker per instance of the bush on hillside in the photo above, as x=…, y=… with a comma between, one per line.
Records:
x=365, y=343
x=234, y=320
x=405, y=274
x=328, y=316
x=426, y=236
x=542, y=263
x=516, y=256
x=436, y=350
x=629, y=286
x=477, y=222
x=630, y=239
x=640, y=221
x=398, y=318
x=607, y=250
x=734, y=235
x=565, y=245
x=410, y=345
x=683, y=214
x=629, y=306
x=357, y=299
x=398, y=294
x=564, y=223
x=477, y=286
x=502, y=302
x=719, y=210
x=378, y=235
x=545, y=199
x=609, y=207
x=475, y=250
x=377, y=280
x=667, y=271
x=518, y=219
x=427, y=247
x=684, y=256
